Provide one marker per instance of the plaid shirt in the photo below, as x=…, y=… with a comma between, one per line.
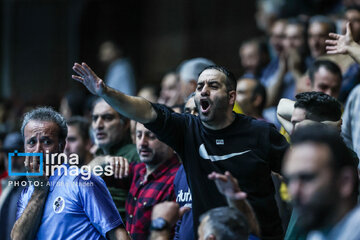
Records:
x=143, y=195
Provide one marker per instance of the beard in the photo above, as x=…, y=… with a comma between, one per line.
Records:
x=218, y=109
x=318, y=212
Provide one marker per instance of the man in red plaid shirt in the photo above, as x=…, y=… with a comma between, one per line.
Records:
x=150, y=181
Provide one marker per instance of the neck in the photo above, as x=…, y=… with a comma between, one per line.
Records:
x=223, y=122
x=150, y=168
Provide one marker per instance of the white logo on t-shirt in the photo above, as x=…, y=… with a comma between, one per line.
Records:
x=219, y=141
x=204, y=154
x=59, y=205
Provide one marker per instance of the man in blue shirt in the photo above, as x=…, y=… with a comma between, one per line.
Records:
x=63, y=205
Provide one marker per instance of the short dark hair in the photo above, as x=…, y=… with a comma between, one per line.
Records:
x=329, y=136
x=230, y=80
x=328, y=65
x=353, y=7
x=46, y=114
x=319, y=106
x=226, y=223
x=82, y=124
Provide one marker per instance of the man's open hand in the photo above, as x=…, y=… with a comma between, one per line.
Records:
x=228, y=185
x=340, y=43
x=120, y=166
x=87, y=77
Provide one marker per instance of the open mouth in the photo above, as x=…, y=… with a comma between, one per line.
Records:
x=205, y=105
x=100, y=135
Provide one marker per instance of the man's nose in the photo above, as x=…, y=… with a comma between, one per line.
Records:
x=143, y=141
x=205, y=90
x=99, y=123
x=39, y=147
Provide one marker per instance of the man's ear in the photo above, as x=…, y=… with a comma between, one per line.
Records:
x=346, y=182
x=232, y=97
x=258, y=100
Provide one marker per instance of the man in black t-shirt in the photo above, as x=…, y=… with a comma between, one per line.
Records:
x=216, y=140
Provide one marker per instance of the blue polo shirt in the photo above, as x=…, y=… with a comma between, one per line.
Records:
x=75, y=208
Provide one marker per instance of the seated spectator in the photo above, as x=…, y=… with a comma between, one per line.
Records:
x=150, y=181
x=170, y=93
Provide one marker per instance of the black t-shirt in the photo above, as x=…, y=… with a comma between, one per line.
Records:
x=248, y=148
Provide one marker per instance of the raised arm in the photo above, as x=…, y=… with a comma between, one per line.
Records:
x=136, y=108
x=229, y=187
x=284, y=112
x=343, y=44
x=26, y=226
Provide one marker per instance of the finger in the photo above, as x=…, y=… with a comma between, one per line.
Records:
x=35, y=164
x=27, y=163
x=183, y=210
x=332, y=52
x=88, y=70
x=331, y=42
x=116, y=168
x=77, y=78
x=348, y=29
x=79, y=69
x=126, y=168
x=211, y=176
x=334, y=35
x=240, y=196
x=121, y=166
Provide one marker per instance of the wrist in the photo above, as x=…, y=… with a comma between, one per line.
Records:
x=160, y=235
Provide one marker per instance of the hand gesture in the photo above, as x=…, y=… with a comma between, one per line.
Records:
x=228, y=185
x=119, y=165
x=32, y=165
x=340, y=43
x=87, y=77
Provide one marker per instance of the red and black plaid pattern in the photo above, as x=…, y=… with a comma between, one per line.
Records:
x=145, y=193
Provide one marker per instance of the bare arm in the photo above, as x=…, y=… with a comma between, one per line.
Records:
x=229, y=186
x=136, y=108
x=118, y=233
x=343, y=44
x=27, y=225
x=273, y=91
x=284, y=112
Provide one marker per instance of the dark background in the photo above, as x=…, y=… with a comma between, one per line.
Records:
x=41, y=39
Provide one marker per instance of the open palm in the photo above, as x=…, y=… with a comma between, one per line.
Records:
x=87, y=77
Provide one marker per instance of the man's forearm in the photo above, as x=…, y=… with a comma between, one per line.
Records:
x=135, y=108
x=160, y=235
x=247, y=210
x=27, y=225
x=354, y=51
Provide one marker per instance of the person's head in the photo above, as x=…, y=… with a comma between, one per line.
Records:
x=150, y=149
x=322, y=176
x=215, y=95
x=13, y=141
x=149, y=92
x=223, y=223
x=43, y=129
x=325, y=76
x=190, y=106
x=109, y=51
x=73, y=103
x=251, y=96
x=78, y=139
x=295, y=35
x=109, y=127
x=253, y=55
x=352, y=15
x=277, y=35
x=170, y=88
x=189, y=71
x=315, y=106
x=318, y=32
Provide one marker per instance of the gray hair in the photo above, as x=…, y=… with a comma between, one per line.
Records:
x=46, y=114
x=324, y=20
x=190, y=69
x=226, y=223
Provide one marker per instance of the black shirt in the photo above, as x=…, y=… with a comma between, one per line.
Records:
x=248, y=148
